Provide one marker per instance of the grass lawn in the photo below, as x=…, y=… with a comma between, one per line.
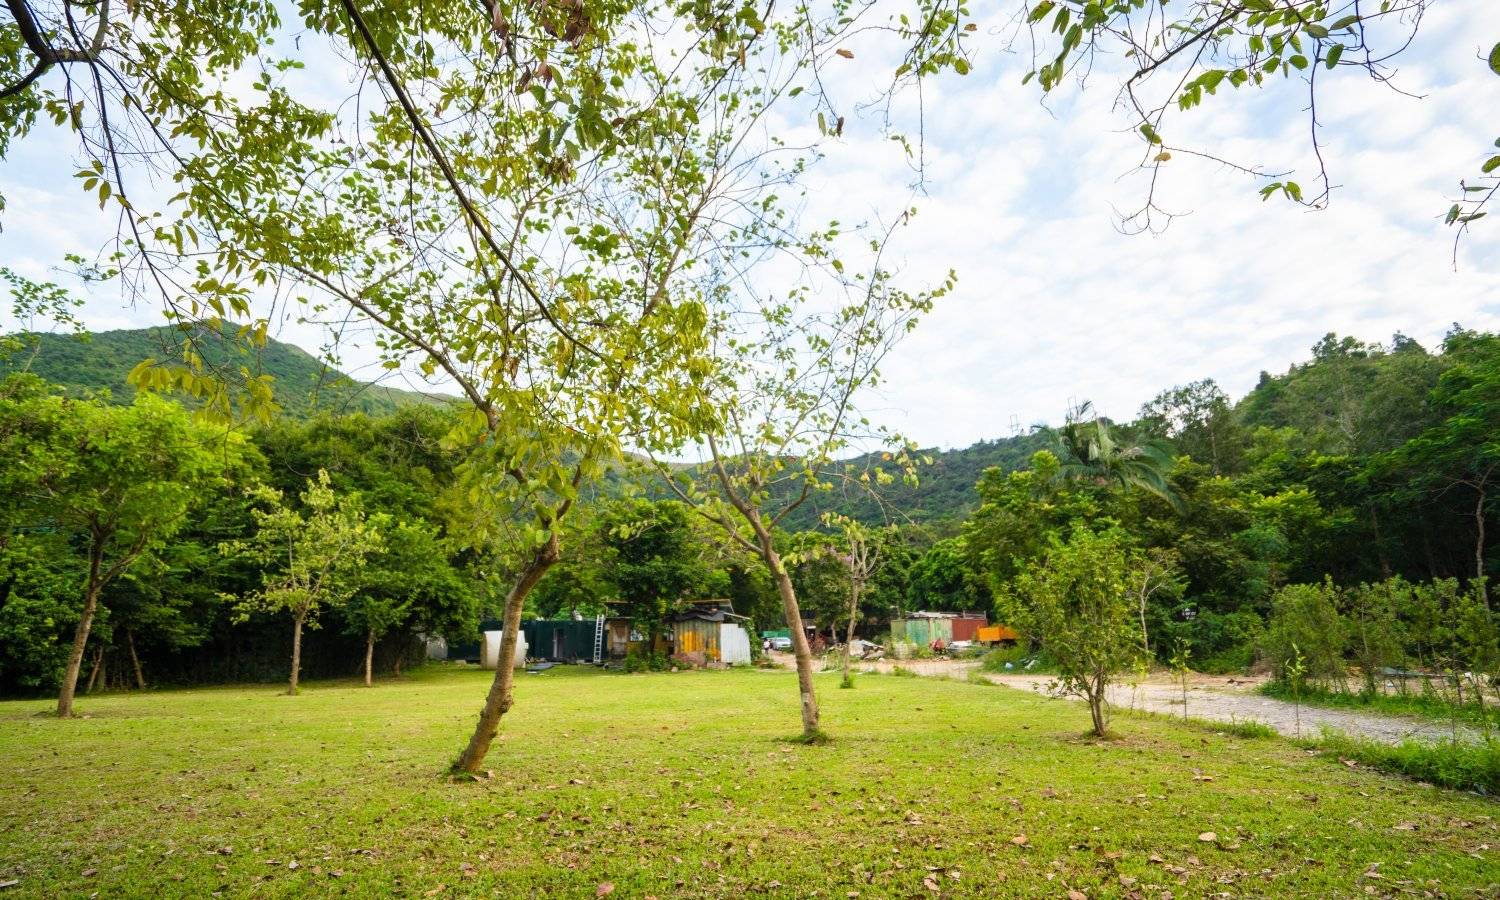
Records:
x=681, y=785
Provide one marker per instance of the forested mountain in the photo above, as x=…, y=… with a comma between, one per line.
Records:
x=944, y=491
x=303, y=385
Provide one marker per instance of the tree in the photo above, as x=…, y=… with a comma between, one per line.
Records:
x=1089, y=450
x=1307, y=629
x=782, y=394
x=861, y=557
x=1079, y=607
x=1154, y=571
x=1199, y=418
x=1180, y=56
x=1021, y=515
x=654, y=560
x=312, y=558
x=117, y=479
x=1462, y=453
x=405, y=580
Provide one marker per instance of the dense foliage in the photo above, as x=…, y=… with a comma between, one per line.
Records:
x=1344, y=506
x=154, y=500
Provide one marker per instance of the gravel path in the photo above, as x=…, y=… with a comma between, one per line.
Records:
x=1216, y=698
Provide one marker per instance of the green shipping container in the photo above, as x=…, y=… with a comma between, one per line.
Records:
x=921, y=631
x=561, y=640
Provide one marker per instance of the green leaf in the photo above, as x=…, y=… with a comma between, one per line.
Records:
x=1491, y=165
x=1495, y=59
x=1150, y=133
x=1317, y=31
x=1334, y=52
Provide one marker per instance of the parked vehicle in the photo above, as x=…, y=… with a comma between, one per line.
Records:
x=781, y=643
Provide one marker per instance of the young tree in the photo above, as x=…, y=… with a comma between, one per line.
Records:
x=406, y=580
x=861, y=558
x=118, y=479
x=783, y=396
x=312, y=557
x=1079, y=607
x=1154, y=571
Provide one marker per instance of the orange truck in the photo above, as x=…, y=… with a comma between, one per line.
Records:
x=997, y=634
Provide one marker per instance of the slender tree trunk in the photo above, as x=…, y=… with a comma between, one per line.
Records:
x=800, y=647
x=1097, y=707
x=296, y=653
x=81, y=633
x=1479, y=547
x=1145, y=638
x=396, y=669
x=135, y=661
x=499, y=700
x=94, y=670
x=849, y=636
x=369, y=657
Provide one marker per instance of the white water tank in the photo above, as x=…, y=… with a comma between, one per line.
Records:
x=491, y=650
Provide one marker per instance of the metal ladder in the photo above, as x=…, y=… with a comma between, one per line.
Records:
x=599, y=639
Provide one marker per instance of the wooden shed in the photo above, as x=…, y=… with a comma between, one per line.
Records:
x=709, y=632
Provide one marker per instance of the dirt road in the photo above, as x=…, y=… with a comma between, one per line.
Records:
x=1217, y=698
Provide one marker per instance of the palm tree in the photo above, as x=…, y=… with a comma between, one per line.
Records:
x=1089, y=450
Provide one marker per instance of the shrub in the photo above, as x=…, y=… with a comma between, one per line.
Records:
x=639, y=661
x=1305, y=619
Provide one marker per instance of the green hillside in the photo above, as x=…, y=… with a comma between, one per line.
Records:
x=303, y=384
x=944, y=492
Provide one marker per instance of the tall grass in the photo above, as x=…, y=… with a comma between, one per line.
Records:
x=1469, y=766
x=1431, y=704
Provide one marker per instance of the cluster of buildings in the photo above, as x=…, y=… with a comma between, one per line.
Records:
x=703, y=633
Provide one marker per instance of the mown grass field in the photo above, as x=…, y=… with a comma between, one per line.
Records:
x=682, y=785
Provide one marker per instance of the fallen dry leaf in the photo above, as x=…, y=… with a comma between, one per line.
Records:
x=604, y=889
x=1208, y=837
x=930, y=883
x=1019, y=840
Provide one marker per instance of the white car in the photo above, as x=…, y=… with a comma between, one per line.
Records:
x=781, y=643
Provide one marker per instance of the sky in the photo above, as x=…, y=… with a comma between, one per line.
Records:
x=1054, y=305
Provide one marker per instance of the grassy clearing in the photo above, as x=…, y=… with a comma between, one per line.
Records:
x=686, y=784
x=1427, y=705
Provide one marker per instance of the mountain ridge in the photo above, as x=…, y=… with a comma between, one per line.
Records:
x=303, y=385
